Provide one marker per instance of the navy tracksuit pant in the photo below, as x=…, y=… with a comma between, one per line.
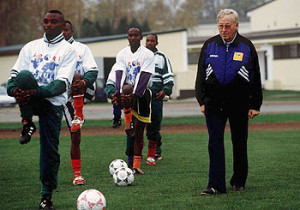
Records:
x=216, y=121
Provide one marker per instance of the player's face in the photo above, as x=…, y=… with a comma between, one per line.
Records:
x=227, y=28
x=53, y=24
x=68, y=32
x=134, y=37
x=151, y=42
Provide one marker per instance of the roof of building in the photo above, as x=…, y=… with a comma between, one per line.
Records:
x=294, y=32
x=15, y=49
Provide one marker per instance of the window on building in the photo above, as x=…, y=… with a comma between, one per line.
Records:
x=193, y=57
x=287, y=51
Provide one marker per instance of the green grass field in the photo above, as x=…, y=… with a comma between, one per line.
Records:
x=174, y=183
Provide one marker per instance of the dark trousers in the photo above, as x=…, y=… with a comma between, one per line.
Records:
x=153, y=128
x=50, y=117
x=216, y=121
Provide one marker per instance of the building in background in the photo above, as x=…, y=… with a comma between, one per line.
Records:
x=273, y=27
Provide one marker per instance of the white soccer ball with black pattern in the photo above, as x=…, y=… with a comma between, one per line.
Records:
x=115, y=164
x=91, y=199
x=123, y=177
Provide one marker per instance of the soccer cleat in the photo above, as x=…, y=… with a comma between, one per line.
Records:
x=151, y=161
x=128, y=127
x=78, y=180
x=138, y=171
x=211, y=191
x=27, y=131
x=46, y=203
x=158, y=157
x=117, y=122
x=76, y=124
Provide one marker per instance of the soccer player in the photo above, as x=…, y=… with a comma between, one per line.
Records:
x=39, y=81
x=134, y=66
x=82, y=91
x=162, y=84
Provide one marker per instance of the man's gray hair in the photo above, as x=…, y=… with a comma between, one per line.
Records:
x=233, y=13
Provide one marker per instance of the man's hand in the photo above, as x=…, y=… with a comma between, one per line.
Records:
x=115, y=100
x=252, y=113
x=203, y=109
x=160, y=95
x=23, y=96
x=126, y=100
x=78, y=85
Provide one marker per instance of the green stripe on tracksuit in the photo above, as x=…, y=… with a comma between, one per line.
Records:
x=50, y=117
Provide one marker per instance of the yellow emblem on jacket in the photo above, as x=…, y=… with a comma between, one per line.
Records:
x=238, y=56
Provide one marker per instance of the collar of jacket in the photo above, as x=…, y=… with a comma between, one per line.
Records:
x=235, y=42
x=71, y=40
x=57, y=39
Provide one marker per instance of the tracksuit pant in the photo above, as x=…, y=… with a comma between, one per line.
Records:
x=216, y=121
x=153, y=129
x=50, y=117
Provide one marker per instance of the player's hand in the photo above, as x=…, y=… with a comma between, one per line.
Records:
x=126, y=100
x=78, y=85
x=160, y=95
x=23, y=96
x=252, y=113
x=115, y=99
x=203, y=109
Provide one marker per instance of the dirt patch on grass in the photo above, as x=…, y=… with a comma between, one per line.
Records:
x=88, y=131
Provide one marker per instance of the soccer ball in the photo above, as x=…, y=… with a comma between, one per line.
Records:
x=123, y=177
x=91, y=199
x=115, y=164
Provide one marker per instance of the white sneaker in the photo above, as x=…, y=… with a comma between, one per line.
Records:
x=151, y=161
x=76, y=124
x=79, y=180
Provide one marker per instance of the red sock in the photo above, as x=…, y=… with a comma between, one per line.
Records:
x=78, y=105
x=76, y=165
x=152, y=148
x=137, y=161
x=127, y=115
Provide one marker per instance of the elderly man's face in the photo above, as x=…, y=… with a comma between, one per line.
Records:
x=227, y=28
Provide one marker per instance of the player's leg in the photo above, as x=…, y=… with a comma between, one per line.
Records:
x=139, y=128
x=216, y=126
x=153, y=131
x=239, y=134
x=49, y=126
x=75, y=145
x=78, y=97
x=25, y=81
x=142, y=112
x=117, y=112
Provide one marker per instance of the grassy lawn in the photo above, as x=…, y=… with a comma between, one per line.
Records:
x=174, y=183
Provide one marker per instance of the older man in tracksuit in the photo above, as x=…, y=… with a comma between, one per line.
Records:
x=228, y=86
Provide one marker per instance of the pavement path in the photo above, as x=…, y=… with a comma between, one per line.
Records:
x=172, y=108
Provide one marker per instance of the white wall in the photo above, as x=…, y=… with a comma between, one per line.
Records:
x=278, y=14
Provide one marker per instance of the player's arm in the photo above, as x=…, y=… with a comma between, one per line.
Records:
x=12, y=84
x=90, y=68
x=168, y=77
x=110, y=90
x=22, y=62
x=90, y=77
x=200, y=78
x=142, y=83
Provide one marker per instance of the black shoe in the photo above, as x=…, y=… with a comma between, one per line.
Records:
x=117, y=123
x=27, y=131
x=46, y=203
x=211, y=191
x=238, y=188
